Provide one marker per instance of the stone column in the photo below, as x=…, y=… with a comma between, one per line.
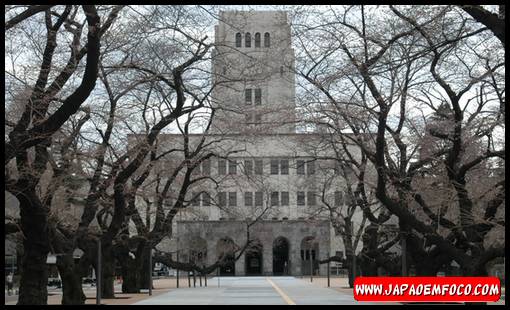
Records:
x=240, y=266
x=295, y=260
x=267, y=260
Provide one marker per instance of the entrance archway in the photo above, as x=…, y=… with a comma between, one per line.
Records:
x=309, y=252
x=225, y=249
x=253, y=259
x=280, y=256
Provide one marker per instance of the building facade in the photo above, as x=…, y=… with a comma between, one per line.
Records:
x=266, y=182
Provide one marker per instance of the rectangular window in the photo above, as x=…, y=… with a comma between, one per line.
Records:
x=285, y=198
x=206, y=199
x=247, y=95
x=274, y=166
x=248, y=167
x=258, y=96
x=206, y=167
x=222, y=199
x=338, y=199
x=300, y=198
x=232, y=199
x=311, y=199
x=258, y=199
x=248, y=199
x=232, y=166
x=284, y=166
x=310, y=167
x=258, y=118
x=259, y=166
x=222, y=167
x=195, y=199
x=300, y=167
x=274, y=198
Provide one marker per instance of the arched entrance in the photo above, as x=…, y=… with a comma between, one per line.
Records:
x=280, y=256
x=225, y=249
x=309, y=255
x=253, y=259
x=198, y=251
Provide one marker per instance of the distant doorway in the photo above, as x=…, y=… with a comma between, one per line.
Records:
x=280, y=256
x=253, y=259
x=309, y=256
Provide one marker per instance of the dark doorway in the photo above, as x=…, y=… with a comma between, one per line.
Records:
x=280, y=256
x=225, y=252
x=253, y=260
x=309, y=256
x=229, y=268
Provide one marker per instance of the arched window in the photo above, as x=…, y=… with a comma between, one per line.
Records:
x=257, y=39
x=266, y=39
x=247, y=40
x=238, y=39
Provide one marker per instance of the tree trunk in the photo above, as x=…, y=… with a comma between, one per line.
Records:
x=107, y=272
x=72, y=290
x=130, y=281
x=143, y=271
x=34, y=275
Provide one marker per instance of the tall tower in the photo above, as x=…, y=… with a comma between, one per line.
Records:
x=253, y=73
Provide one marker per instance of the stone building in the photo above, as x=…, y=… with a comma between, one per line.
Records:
x=268, y=178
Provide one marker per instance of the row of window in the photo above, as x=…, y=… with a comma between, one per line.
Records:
x=247, y=39
x=256, y=199
x=277, y=166
x=257, y=93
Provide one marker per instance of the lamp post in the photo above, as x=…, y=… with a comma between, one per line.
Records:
x=150, y=272
x=98, y=273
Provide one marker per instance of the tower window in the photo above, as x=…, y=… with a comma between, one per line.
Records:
x=266, y=39
x=222, y=167
x=232, y=167
x=258, y=199
x=300, y=198
x=274, y=198
x=222, y=199
x=284, y=166
x=247, y=40
x=258, y=118
x=238, y=39
x=206, y=167
x=274, y=166
x=300, y=167
x=258, y=96
x=248, y=167
x=232, y=199
x=310, y=167
x=285, y=198
x=248, y=199
x=258, y=166
x=247, y=95
x=281, y=70
x=257, y=39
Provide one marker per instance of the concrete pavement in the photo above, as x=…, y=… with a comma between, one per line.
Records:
x=252, y=290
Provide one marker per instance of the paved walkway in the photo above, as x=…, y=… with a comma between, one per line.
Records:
x=252, y=290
